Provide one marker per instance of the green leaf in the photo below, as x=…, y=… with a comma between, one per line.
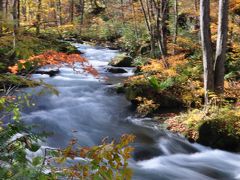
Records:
x=34, y=147
x=37, y=161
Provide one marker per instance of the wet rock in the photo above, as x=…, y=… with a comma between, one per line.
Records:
x=216, y=135
x=146, y=153
x=51, y=73
x=116, y=70
x=120, y=88
x=138, y=70
x=122, y=60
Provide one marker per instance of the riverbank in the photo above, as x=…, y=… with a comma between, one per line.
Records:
x=174, y=95
x=155, y=88
x=28, y=45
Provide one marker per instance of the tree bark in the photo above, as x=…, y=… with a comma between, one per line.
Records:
x=71, y=7
x=18, y=12
x=38, y=17
x=206, y=47
x=175, y=24
x=221, y=46
x=164, y=28
x=1, y=17
x=59, y=12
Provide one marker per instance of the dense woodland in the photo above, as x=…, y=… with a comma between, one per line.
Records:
x=186, y=56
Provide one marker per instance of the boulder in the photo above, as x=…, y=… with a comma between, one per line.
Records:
x=116, y=70
x=122, y=60
x=218, y=134
x=51, y=73
x=145, y=49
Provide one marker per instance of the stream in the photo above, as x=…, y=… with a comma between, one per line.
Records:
x=89, y=109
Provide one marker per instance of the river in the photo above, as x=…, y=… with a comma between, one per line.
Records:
x=89, y=109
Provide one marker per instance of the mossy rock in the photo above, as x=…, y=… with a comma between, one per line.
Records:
x=122, y=60
x=68, y=48
x=219, y=134
x=144, y=49
x=165, y=100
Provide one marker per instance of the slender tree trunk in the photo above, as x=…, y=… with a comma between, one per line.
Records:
x=80, y=7
x=59, y=12
x=221, y=45
x=24, y=11
x=38, y=17
x=71, y=7
x=206, y=47
x=134, y=18
x=14, y=15
x=6, y=8
x=1, y=17
x=82, y=3
x=148, y=22
x=152, y=25
x=164, y=28
x=175, y=24
x=18, y=12
x=122, y=11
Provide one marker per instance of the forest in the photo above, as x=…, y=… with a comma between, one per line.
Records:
x=120, y=89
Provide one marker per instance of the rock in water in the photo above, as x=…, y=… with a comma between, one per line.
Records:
x=51, y=73
x=116, y=70
x=122, y=60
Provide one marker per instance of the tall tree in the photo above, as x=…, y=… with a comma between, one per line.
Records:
x=71, y=8
x=221, y=46
x=206, y=47
x=38, y=17
x=156, y=13
x=1, y=17
x=59, y=12
x=15, y=15
x=175, y=35
x=213, y=67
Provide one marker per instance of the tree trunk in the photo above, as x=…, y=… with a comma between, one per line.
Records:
x=15, y=16
x=71, y=8
x=134, y=18
x=82, y=5
x=175, y=24
x=18, y=13
x=1, y=17
x=59, y=12
x=148, y=22
x=206, y=47
x=164, y=28
x=221, y=46
x=38, y=23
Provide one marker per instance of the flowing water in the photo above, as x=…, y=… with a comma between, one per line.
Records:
x=89, y=109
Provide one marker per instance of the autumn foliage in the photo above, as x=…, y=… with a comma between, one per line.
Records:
x=57, y=59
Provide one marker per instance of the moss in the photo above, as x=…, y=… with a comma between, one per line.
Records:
x=217, y=127
x=7, y=80
x=219, y=134
x=28, y=45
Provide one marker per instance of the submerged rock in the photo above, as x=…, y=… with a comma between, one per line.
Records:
x=122, y=60
x=51, y=73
